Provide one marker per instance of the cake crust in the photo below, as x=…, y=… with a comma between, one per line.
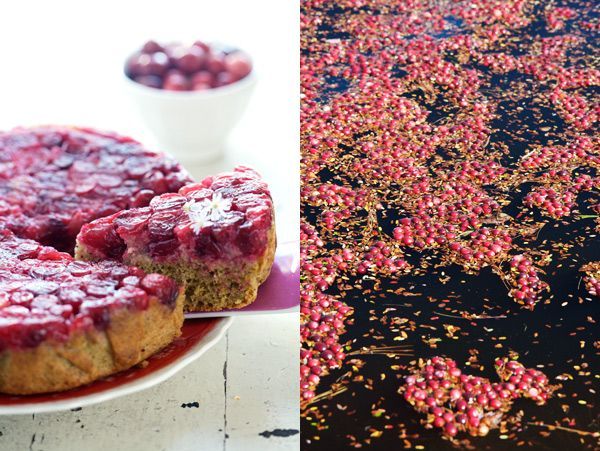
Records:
x=238, y=280
x=131, y=337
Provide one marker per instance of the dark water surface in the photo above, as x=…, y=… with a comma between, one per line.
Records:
x=560, y=336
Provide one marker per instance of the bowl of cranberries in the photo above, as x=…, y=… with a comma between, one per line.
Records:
x=190, y=95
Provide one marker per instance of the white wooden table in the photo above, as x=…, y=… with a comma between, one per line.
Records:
x=62, y=65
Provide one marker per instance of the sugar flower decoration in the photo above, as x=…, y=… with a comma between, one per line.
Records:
x=207, y=211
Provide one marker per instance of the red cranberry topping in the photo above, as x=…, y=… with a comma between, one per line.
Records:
x=226, y=216
x=49, y=298
x=55, y=179
x=177, y=67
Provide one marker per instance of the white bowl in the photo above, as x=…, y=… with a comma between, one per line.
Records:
x=193, y=125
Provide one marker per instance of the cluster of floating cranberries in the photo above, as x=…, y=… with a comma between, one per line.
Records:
x=322, y=315
x=323, y=329
x=47, y=295
x=523, y=276
x=457, y=402
x=178, y=67
x=591, y=278
x=437, y=134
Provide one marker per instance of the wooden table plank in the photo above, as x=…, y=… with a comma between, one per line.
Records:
x=262, y=383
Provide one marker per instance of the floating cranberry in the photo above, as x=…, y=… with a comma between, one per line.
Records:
x=450, y=429
x=592, y=278
x=467, y=403
x=443, y=182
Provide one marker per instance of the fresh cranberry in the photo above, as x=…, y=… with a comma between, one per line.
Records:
x=201, y=86
x=139, y=64
x=215, y=62
x=222, y=79
x=152, y=81
x=159, y=64
x=188, y=59
x=202, y=80
x=203, y=46
x=203, y=77
x=237, y=64
x=176, y=82
x=152, y=47
x=197, y=67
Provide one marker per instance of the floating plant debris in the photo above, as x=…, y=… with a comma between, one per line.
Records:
x=451, y=208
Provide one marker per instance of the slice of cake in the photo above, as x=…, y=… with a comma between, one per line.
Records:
x=65, y=323
x=216, y=237
x=55, y=179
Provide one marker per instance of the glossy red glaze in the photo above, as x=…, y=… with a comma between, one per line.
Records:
x=46, y=294
x=227, y=216
x=55, y=179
